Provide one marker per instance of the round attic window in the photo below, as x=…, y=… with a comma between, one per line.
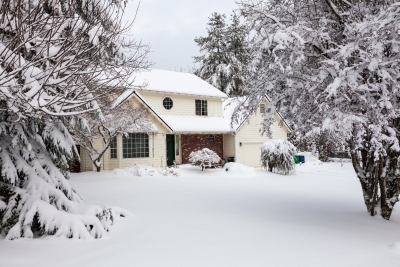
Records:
x=168, y=103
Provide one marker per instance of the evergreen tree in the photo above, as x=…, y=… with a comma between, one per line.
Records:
x=214, y=62
x=238, y=54
x=225, y=54
x=50, y=52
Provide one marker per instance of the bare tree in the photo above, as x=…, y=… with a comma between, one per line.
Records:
x=111, y=121
x=332, y=68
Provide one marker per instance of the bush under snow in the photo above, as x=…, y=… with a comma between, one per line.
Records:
x=204, y=158
x=141, y=170
x=234, y=168
x=278, y=156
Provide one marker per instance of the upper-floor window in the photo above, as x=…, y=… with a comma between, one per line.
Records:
x=135, y=145
x=113, y=148
x=201, y=107
x=262, y=108
x=168, y=103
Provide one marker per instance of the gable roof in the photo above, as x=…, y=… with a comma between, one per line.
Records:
x=128, y=94
x=238, y=104
x=173, y=82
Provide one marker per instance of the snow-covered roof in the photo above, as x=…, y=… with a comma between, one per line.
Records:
x=198, y=124
x=174, y=82
x=121, y=98
x=239, y=104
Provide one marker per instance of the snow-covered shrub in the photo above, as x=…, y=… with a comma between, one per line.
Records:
x=278, y=156
x=142, y=170
x=204, y=158
x=238, y=169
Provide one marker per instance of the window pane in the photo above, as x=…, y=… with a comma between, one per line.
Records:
x=137, y=145
x=113, y=148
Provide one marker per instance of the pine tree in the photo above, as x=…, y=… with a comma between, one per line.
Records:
x=56, y=57
x=238, y=54
x=225, y=54
x=214, y=62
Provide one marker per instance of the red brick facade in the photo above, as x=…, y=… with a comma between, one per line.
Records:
x=194, y=142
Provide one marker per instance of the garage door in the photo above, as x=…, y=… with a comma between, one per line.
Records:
x=252, y=153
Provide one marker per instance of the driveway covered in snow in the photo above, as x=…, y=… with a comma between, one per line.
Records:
x=213, y=218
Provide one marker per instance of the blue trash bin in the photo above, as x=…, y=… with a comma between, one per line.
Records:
x=302, y=159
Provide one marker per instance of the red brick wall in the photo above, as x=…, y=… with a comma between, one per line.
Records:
x=194, y=142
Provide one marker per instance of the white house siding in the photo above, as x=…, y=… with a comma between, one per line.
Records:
x=182, y=105
x=85, y=164
x=157, y=149
x=229, y=145
x=248, y=139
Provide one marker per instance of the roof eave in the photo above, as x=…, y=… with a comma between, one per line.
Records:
x=177, y=93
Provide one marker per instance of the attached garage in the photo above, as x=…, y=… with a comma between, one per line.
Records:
x=251, y=154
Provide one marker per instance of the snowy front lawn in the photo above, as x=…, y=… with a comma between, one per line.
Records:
x=216, y=218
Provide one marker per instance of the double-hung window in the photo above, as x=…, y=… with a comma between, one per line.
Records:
x=135, y=145
x=113, y=148
x=262, y=108
x=201, y=107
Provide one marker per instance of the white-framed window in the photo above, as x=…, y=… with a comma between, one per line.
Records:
x=135, y=145
x=177, y=145
x=201, y=107
x=168, y=103
x=262, y=108
x=113, y=148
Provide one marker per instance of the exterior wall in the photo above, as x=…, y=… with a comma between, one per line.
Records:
x=194, y=142
x=86, y=163
x=229, y=145
x=248, y=139
x=182, y=105
x=157, y=149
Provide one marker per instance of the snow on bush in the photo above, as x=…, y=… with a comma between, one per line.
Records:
x=234, y=168
x=142, y=170
x=278, y=156
x=204, y=158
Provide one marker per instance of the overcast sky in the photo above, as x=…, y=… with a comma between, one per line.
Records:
x=170, y=27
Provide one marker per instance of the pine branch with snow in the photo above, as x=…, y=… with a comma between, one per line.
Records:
x=35, y=196
x=56, y=58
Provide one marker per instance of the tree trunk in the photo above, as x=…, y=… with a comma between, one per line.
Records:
x=98, y=168
x=375, y=185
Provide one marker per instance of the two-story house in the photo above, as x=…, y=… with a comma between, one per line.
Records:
x=189, y=114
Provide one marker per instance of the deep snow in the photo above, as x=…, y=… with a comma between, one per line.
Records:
x=315, y=217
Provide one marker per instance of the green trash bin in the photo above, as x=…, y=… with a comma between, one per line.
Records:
x=296, y=159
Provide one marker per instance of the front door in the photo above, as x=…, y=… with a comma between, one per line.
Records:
x=170, y=149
